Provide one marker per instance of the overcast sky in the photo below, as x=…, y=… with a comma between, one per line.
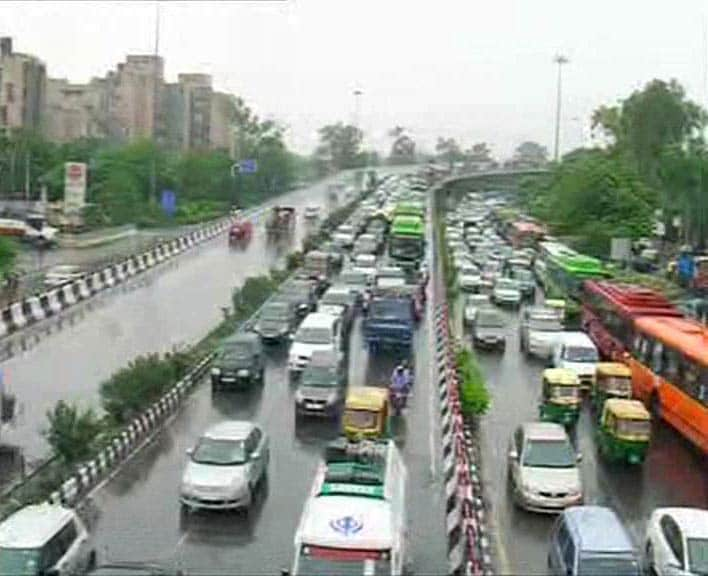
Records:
x=473, y=70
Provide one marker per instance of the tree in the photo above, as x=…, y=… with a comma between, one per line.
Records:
x=448, y=150
x=340, y=147
x=530, y=154
x=403, y=147
x=72, y=433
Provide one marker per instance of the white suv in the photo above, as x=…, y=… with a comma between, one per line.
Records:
x=45, y=539
x=318, y=331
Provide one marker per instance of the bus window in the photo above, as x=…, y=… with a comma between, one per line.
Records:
x=657, y=357
x=670, y=364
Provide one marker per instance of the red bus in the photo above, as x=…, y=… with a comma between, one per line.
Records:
x=669, y=365
x=524, y=234
x=610, y=310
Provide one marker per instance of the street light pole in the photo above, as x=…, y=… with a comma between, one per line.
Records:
x=559, y=60
x=357, y=106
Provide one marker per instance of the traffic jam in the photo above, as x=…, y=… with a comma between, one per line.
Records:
x=595, y=384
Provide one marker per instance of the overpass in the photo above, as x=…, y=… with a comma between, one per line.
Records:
x=503, y=180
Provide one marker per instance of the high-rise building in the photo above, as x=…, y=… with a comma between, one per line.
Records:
x=76, y=110
x=23, y=80
x=188, y=108
x=222, y=119
x=135, y=97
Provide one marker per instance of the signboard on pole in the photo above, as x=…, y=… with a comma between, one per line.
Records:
x=169, y=202
x=248, y=166
x=74, y=186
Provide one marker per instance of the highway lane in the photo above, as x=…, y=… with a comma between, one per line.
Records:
x=672, y=475
x=173, y=305
x=137, y=515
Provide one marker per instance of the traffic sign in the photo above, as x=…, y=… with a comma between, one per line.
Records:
x=248, y=166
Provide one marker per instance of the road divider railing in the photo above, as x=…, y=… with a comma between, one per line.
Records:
x=33, y=309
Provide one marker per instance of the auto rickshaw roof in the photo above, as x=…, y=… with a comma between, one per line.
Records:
x=555, y=303
x=366, y=398
x=616, y=369
x=561, y=377
x=627, y=409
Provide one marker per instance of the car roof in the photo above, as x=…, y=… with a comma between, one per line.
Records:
x=32, y=526
x=576, y=338
x=692, y=521
x=338, y=289
x=598, y=529
x=318, y=319
x=229, y=430
x=544, y=431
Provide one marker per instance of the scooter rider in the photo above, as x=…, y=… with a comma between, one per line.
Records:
x=400, y=386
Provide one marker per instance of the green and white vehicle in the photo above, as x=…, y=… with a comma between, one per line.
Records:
x=354, y=521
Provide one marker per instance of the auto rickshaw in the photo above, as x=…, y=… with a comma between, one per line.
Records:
x=613, y=380
x=558, y=305
x=366, y=411
x=560, y=396
x=624, y=430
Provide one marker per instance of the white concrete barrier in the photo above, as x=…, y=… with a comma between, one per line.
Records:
x=83, y=289
x=17, y=316
x=53, y=301
x=35, y=309
x=96, y=282
x=159, y=256
x=3, y=328
x=67, y=294
x=130, y=268
x=108, y=278
x=120, y=272
x=149, y=259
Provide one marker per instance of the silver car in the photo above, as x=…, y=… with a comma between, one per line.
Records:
x=538, y=332
x=226, y=466
x=543, y=468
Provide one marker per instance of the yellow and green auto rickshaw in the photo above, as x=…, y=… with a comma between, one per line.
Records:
x=558, y=305
x=560, y=396
x=624, y=431
x=612, y=380
x=366, y=411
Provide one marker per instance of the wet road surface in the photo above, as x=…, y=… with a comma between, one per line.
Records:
x=673, y=474
x=172, y=305
x=138, y=514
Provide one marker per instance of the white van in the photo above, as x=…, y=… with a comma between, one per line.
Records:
x=354, y=521
x=318, y=331
x=575, y=351
x=43, y=540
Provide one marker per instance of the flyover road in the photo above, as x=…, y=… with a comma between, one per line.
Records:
x=137, y=515
x=174, y=304
x=673, y=474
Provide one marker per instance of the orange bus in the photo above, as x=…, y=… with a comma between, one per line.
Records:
x=670, y=373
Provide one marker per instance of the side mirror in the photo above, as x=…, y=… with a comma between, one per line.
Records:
x=291, y=337
x=256, y=455
x=189, y=451
x=579, y=457
x=513, y=454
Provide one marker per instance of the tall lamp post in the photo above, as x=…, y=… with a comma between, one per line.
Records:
x=559, y=60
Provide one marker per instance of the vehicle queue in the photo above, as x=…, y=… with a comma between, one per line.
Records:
x=498, y=267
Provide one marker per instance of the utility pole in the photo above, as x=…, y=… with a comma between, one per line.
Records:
x=357, y=106
x=155, y=107
x=559, y=60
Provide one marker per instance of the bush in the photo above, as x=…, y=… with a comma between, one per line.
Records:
x=251, y=295
x=72, y=434
x=474, y=396
x=130, y=390
x=294, y=261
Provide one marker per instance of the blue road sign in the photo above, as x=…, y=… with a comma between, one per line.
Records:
x=248, y=166
x=169, y=202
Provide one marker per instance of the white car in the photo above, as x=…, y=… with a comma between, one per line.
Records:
x=225, y=467
x=469, y=278
x=366, y=263
x=543, y=468
x=507, y=292
x=312, y=212
x=538, y=331
x=366, y=244
x=318, y=331
x=473, y=304
x=677, y=542
x=575, y=351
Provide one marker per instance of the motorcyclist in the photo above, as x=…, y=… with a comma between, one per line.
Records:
x=400, y=385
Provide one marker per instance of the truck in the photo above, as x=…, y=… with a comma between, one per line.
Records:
x=391, y=314
x=354, y=519
x=281, y=220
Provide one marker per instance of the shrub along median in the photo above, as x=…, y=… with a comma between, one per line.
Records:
x=75, y=435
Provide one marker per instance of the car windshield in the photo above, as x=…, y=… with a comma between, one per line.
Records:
x=507, y=284
x=697, y=555
x=232, y=353
x=522, y=274
x=19, y=561
x=275, y=312
x=549, y=454
x=608, y=566
x=580, y=354
x=314, y=335
x=219, y=452
x=353, y=278
x=545, y=324
x=390, y=309
x=490, y=319
x=318, y=561
x=319, y=376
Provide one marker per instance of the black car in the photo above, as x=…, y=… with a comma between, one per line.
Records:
x=489, y=329
x=320, y=391
x=301, y=293
x=276, y=321
x=239, y=361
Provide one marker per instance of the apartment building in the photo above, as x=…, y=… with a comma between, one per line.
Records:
x=23, y=80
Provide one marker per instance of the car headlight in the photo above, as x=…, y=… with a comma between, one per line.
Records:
x=299, y=398
x=332, y=398
x=216, y=371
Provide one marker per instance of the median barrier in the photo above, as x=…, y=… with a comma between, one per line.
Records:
x=17, y=316
x=157, y=254
x=67, y=296
x=120, y=271
x=149, y=258
x=50, y=302
x=96, y=282
x=83, y=289
x=130, y=268
x=33, y=309
x=107, y=275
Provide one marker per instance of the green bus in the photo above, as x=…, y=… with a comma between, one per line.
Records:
x=566, y=270
x=410, y=208
x=407, y=238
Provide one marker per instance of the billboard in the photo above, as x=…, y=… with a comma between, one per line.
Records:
x=74, y=186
